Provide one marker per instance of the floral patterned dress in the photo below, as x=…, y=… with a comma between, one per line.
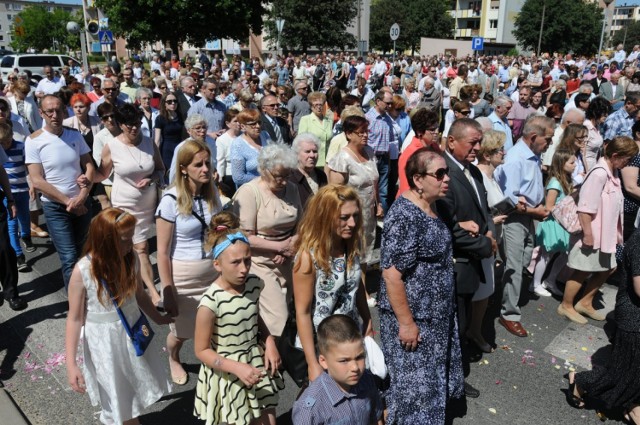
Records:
x=422, y=381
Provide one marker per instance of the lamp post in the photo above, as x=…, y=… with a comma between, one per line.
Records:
x=604, y=24
x=279, y=27
x=74, y=28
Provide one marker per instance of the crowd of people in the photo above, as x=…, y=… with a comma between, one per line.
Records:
x=266, y=183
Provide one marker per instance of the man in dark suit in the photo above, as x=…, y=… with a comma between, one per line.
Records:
x=277, y=127
x=597, y=81
x=466, y=200
x=186, y=95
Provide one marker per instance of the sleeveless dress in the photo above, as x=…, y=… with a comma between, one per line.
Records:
x=130, y=165
x=221, y=396
x=116, y=379
x=363, y=177
x=549, y=233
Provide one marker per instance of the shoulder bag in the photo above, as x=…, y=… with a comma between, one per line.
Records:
x=566, y=211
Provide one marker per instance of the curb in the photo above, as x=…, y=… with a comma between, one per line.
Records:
x=10, y=411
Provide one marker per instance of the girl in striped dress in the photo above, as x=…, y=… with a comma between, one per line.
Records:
x=239, y=380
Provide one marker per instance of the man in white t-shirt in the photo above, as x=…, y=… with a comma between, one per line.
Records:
x=55, y=157
x=50, y=83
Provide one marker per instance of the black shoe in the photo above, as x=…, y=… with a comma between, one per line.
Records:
x=22, y=264
x=17, y=304
x=28, y=244
x=1, y=299
x=469, y=391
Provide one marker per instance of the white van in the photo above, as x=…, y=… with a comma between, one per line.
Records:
x=34, y=63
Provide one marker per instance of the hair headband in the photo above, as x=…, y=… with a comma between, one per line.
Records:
x=226, y=243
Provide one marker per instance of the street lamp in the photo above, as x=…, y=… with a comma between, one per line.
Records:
x=75, y=28
x=604, y=24
x=279, y=27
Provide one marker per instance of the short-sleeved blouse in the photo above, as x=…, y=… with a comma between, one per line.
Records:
x=244, y=161
x=631, y=204
x=188, y=231
x=171, y=129
x=555, y=184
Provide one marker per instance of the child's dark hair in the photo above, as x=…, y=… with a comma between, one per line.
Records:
x=337, y=329
x=222, y=224
x=6, y=131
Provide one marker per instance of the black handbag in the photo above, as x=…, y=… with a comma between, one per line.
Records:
x=293, y=359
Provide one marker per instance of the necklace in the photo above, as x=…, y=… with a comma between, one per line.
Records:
x=139, y=160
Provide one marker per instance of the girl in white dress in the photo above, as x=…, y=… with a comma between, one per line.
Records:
x=122, y=383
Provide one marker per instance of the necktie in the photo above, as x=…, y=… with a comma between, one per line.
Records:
x=276, y=129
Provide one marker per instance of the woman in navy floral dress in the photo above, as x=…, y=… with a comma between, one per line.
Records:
x=418, y=325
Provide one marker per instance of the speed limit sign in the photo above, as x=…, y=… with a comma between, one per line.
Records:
x=394, y=32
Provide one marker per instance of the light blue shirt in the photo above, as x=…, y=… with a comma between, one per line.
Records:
x=521, y=175
x=213, y=113
x=499, y=124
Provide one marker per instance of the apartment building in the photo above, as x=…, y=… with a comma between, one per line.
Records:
x=491, y=19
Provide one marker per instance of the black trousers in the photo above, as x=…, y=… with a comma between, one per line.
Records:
x=8, y=262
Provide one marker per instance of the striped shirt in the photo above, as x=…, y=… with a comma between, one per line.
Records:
x=381, y=132
x=16, y=169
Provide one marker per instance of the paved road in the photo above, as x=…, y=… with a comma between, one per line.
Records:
x=521, y=383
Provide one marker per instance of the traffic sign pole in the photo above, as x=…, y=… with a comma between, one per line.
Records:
x=394, y=33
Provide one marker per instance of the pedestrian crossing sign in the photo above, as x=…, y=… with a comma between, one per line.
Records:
x=105, y=37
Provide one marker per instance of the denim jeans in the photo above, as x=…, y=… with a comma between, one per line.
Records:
x=382, y=163
x=19, y=227
x=8, y=265
x=68, y=232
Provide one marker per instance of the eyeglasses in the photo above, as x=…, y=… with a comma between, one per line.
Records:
x=49, y=113
x=439, y=174
x=271, y=105
x=106, y=117
x=171, y=101
x=434, y=130
x=303, y=88
x=496, y=151
x=132, y=125
x=386, y=103
x=316, y=105
x=280, y=177
x=465, y=113
x=253, y=124
x=199, y=128
x=109, y=89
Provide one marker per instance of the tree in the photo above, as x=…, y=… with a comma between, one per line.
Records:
x=629, y=36
x=569, y=25
x=321, y=24
x=45, y=30
x=177, y=21
x=416, y=18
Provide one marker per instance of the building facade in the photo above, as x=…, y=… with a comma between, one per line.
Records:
x=491, y=19
x=10, y=9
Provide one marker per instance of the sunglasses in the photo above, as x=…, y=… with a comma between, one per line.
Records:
x=171, y=102
x=465, y=113
x=439, y=174
x=106, y=117
x=109, y=89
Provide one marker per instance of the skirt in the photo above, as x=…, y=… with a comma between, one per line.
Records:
x=191, y=279
x=617, y=385
x=587, y=259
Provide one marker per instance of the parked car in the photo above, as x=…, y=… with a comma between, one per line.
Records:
x=34, y=63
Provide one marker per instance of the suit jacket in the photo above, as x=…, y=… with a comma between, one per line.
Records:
x=462, y=204
x=184, y=108
x=184, y=103
x=284, y=128
x=606, y=91
x=596, y=86
x=301, y=183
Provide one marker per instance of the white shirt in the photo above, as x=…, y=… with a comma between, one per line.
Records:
x=59, y=157
x=187, y=243
x=48, y=86
x=223, y=146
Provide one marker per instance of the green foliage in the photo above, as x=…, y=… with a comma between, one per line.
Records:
x=417, y=18
x=322, y=24
x=513, y=52
x=177, y=21
x=632, y=36
x=569, y=25
x=42, y=28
